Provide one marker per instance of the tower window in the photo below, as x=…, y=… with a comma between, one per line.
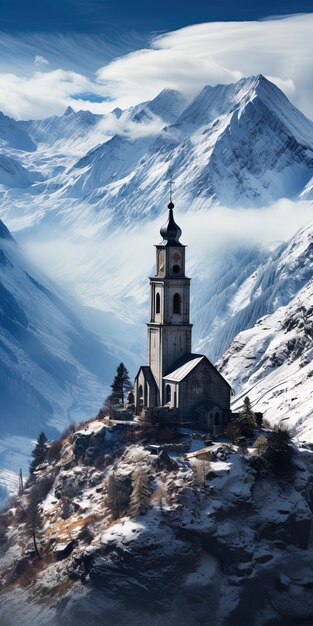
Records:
x=157, y=303
x=176, y=269
x=167, y=394
x=177, y=304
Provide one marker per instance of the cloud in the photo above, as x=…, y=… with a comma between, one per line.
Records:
x=40, y=95
x=40, y=60
x=186, y=59
x=111, y=274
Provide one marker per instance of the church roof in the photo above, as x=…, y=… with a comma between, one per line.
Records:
x=147, y=374
x=170, y=232
x=186, y=365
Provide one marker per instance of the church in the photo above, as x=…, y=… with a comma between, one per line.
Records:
x=175, y=377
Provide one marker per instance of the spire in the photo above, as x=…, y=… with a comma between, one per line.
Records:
x=170, y=232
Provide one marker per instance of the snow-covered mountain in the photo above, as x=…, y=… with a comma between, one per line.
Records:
x=84, y=177
x=13, y=135
x=248, y=284
x=15, y=175
x=242, y=144
x=272, y=362
x=59, y=128
x=238, y=145
x=53, y=370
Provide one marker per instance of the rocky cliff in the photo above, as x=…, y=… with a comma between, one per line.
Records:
x=219, y=528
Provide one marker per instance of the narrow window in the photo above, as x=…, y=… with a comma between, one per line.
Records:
x=146, y=394
x=176, y=304
x=157, y=303
x=167, y=394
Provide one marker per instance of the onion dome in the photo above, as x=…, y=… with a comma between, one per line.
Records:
x=171, y=232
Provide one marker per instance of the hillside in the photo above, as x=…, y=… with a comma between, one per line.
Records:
x=53, y=370
x=248, y=284
x=214, y=531
x=272, y=364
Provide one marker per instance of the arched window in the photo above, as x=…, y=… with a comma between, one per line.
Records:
x=167, y=394
x=216, y=419
x=157, y=303
x=176, y=304
x=140, y=392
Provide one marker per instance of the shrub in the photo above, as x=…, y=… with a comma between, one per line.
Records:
x=260, y=445
x=232, y=430
x=279, y=452
x=54, y=451
x=85, y=534
x=69, y=430
x=166, y=434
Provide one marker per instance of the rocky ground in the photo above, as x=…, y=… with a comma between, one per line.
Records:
x=223, y=541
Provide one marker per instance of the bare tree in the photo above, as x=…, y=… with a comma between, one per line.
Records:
x=201, y=470
x=117, y=495
x=140, y=496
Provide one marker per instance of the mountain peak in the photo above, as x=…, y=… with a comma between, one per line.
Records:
x=69, y=111
x=5, y=233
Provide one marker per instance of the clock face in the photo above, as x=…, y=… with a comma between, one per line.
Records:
x=176, y=257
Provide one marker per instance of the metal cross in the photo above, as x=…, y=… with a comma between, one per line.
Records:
x=170, y=182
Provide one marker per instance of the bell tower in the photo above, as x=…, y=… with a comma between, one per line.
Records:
x=169, y=329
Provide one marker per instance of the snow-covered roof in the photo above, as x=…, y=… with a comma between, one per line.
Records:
x=189, y=362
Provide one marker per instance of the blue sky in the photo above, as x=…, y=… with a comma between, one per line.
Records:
x=99, y=54
x=115, y=18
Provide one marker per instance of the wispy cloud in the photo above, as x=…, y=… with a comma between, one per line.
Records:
x=186, y=59
x=39, y=60
x=101, y=278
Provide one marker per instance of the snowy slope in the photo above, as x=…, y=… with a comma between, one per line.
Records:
x=14, y=135
x=272, y=363
x=242, y=144
x=248, y=284
x=52, y=369
x=238, y=145
x=14, y=175
x=59, y=128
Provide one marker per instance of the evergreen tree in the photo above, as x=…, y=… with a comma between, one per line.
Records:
x=39, y=452
x=279, y=451
x=140, y=496
x=121, y=384
x=246, y=421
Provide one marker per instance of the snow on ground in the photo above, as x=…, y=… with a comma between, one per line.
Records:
x=272, y=364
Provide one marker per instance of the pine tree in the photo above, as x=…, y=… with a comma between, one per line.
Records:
x=39, y=452
x=140, y=496
x=246, y=420
x=121, y=384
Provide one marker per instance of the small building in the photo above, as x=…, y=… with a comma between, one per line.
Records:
x=176, y=378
